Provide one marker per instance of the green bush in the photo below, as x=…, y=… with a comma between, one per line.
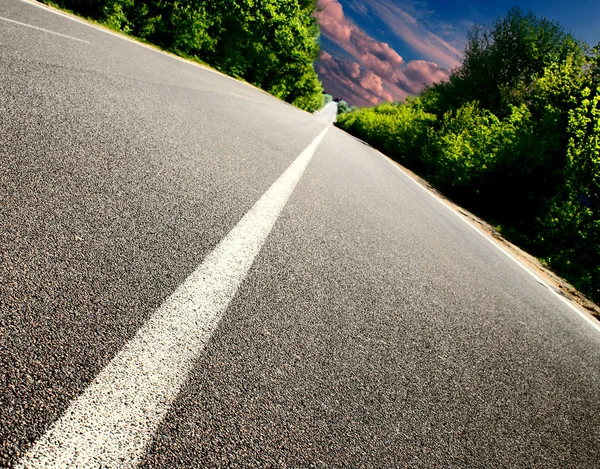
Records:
x=398, y=130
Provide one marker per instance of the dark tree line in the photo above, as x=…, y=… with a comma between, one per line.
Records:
x=514, y=135
x=269, y=43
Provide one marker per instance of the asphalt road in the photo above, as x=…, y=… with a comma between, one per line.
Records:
x=366, y=326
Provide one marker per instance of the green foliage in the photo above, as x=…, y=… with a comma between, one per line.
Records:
x=270, y=43
x=307, y=92
x=114, y=14
x=514, y=135
x=398, y=130
x=465, y=148
x=343, y=107
x=502, y=62
x=496, y=166
x=583, y=150
x=581, y=256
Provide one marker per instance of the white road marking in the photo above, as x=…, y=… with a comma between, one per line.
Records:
x=588, y=317
x=327, y=113
x=111, y=423
x=327, y=107
x=8, y=20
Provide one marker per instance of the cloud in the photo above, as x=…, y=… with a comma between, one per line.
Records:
x=373, y=83
x=420, y=71
x=334, y=23
x=416, y=34
x=342, y=78
x=377, y=73
x=356, y=42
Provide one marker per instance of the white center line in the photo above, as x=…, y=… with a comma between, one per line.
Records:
x=111, y=423
x=8, y=20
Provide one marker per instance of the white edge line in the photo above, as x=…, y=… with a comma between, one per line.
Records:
x=323, y=109
x=588, y=317
x=37, y=28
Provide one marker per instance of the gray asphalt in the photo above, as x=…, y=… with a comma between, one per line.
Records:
x=375, y=328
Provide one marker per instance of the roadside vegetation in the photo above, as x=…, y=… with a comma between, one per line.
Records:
x=271, y=44
x=514, y=136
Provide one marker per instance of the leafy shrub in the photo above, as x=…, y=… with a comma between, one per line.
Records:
x=398, y=130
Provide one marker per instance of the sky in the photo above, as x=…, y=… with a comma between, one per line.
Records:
x=385, y=50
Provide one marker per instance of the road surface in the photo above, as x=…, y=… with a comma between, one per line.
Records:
x=195, y=274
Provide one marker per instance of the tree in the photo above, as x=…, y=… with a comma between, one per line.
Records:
x=503, y=61
x=343, y=107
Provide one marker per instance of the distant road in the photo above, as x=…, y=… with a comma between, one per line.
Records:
x=196, y=274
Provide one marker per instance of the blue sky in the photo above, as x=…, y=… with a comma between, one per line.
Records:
x=580, y=17
x=378, y=50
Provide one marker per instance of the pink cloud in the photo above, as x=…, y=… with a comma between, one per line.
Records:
x=420, y=71
x=355, y=41
x=411, y=31
x=374, y=84
x=379, y=72
x=333, y=21
x=342, y=79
